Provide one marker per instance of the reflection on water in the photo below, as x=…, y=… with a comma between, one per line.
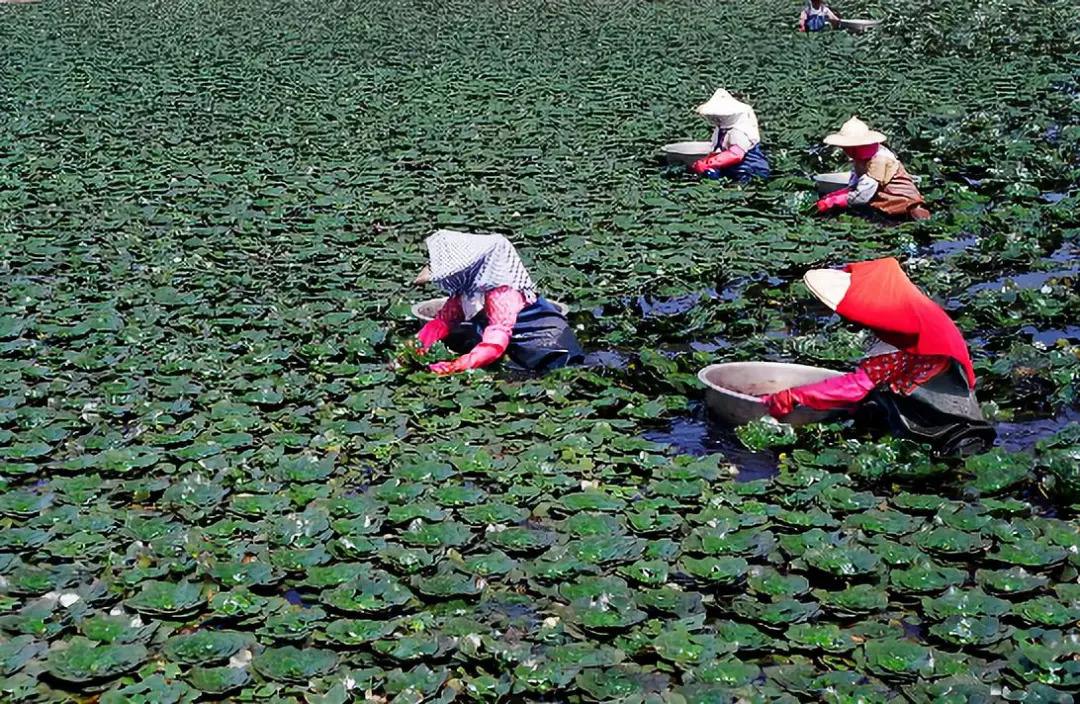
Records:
x=697, y=435
x=1050, y=337
x=293, y=597
x=1024, y=434
x=611, y=359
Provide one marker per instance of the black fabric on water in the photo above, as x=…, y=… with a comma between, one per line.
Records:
x=541, y=340
x=943, y=413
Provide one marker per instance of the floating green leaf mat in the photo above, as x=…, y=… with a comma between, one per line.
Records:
x=214, y=485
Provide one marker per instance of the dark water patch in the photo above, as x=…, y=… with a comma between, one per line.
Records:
x=1029, y=280
x=944, y=248
x=511, y=612
x=745, y=286
x=715, y=345
x=1065, y=254
x=1051, y=337
x=608, y=359
x=293, y=597
x=698, y=435
x=675, y=305
x=1022, y=435
x=915, y=631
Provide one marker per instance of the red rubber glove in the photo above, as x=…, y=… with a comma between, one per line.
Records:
x=841, y=391
x=432, y=332
x=836, y=199
x=718, y=161
x=780, y=404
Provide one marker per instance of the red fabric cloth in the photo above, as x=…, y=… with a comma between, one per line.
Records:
x=902, y=372
x=863, y=152
x=883, y=299
x=501, y=306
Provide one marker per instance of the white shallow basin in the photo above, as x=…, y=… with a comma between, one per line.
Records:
x=685, y=152
x=859, y=26
x=733, y=389
x=827, y=183
x=426, y=310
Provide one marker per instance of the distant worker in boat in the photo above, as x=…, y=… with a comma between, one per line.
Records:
x=924, y=388
x=736, y=142
x=493, y=308
x=816, y=15
x=878, y=179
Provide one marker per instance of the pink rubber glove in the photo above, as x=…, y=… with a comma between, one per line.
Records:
x=838, y=392
x=502, y=306
x=432, y=332
x=440, y=326
x=480, y=356
x=719, y=160
x=836, y=199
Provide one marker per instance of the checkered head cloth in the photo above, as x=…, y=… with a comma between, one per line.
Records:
x=468, y=265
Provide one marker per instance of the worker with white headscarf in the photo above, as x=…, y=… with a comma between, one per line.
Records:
x=736, y=142
x=493, y=307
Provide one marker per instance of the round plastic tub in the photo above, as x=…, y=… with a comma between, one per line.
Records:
x=685, y=152
x=859, y=26
x=733, y=389
x=827, y=183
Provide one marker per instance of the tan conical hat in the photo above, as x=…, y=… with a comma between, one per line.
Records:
x=829, y=285
x=722, y=104
x=854, y=133
x=424, y=276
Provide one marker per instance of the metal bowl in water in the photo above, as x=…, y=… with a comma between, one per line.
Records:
x=427, y=310
x=685, y=152
x=827, y=183
x=733, y=389
x=859, y=26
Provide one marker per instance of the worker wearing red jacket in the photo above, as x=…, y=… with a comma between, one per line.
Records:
x=924, y=388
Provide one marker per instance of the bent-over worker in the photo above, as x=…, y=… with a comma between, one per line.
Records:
x=925, y=389
x=736, y=142
x=493, y=307
x=878, y=179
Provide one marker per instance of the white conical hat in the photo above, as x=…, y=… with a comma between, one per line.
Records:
x=722, y=105
x=829, y=285
x=854, y=133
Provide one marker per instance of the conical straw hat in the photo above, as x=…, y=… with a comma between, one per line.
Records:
x=854, y=133
x=722, y=104
x=829, y=285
